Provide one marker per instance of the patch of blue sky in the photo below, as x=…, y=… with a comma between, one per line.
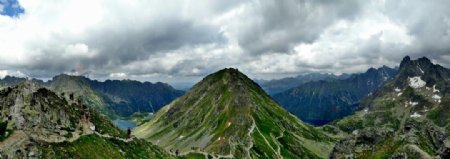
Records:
x=11, y=8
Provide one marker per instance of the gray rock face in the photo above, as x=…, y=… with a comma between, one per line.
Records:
x=405, y=118
x=34, y=114
x=28, y=107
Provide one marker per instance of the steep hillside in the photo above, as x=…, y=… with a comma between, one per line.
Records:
x=279, y=85
x=71, y=87
x=228, y=115
x=127, y=96
x=407, y=117
x=37, y=123
x=323, y=101
x=114, y=97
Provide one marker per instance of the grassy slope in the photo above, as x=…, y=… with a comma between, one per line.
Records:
x=93, y=146
x=220, y=111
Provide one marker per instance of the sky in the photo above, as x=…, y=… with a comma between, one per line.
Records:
x=184, y=40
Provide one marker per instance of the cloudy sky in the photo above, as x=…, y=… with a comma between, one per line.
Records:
x=183, y=40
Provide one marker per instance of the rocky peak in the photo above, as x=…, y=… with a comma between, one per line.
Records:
x=406, y=60
x=233, y=79
x=421, y=68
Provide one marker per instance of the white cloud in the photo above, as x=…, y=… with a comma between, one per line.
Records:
x=78, y=50
x=118, y=75
x=3, y=73
x=149, y=39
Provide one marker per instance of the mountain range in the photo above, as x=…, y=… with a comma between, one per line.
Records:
x=114, y=98
x=401, y=113
x=280, y=85
x=320, y=102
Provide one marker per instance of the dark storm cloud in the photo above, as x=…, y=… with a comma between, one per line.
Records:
x=116, y=47
x=279, y=25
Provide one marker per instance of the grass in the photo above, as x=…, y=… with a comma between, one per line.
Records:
x=230, y=97
x=382, y=150
x=95, y=147
x=193, y=156
x=350, y=124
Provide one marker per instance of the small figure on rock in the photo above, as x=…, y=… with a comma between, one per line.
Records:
x=86, y=112
x=129, y=133
x=71, y=97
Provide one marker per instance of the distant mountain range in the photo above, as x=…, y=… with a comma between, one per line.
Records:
x=279, y=85
x=115, y=98
x=229, y=115
x=320, y=102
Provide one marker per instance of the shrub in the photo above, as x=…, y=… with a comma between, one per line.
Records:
x=3, y=126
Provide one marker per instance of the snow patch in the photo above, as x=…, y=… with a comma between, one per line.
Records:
x=421, y=70
x=413, y=103
x=397, y=89
x=435, y=90
x=416, y=82
x=399, y=94
x=92, y=127
x=437, y=98
x=415, y=115
x=181, y=137
x=220, y=138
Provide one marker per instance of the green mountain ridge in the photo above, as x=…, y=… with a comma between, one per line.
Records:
x=229, y=115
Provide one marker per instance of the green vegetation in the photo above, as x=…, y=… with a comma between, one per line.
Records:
x=382, y=150
x=350, y=124
x=93, y=147
x=319, y=102
x=330, y=129
x=441, y=114
x=227, y=113
x=44, y=112
x=193, y=156
x=3, y=126
x=105, y=126
x=4, y=132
